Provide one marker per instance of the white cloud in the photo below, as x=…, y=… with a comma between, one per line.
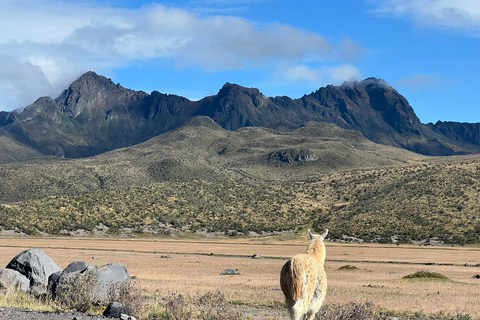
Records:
x=349, y=50
x=423, y=80
x=52, y=42
x=458, y=15
x=322, y=75
x=343, y=73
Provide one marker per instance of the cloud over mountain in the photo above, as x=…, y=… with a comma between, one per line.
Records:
x=52, y=43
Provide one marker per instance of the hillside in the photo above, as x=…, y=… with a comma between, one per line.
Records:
x=202, y=150
x=94, y=115
x=428, y=202
x=203, y=178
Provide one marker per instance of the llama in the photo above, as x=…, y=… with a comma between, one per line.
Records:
x=303, y=280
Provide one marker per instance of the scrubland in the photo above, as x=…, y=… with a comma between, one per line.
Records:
x=192, y=267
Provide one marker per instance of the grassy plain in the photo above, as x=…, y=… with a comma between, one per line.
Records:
x=194, y=267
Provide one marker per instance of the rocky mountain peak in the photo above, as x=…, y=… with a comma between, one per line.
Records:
x=91, y=94
x=95, y=115
x=231, y=89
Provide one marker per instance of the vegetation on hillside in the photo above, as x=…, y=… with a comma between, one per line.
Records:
x=226, y=206
x=433, y=202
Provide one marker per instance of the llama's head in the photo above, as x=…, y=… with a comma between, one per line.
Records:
x=316, y=244
x=317, y=236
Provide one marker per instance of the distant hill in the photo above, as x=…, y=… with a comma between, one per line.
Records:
x=203, y=150
x=94, y=115
x=203, y=178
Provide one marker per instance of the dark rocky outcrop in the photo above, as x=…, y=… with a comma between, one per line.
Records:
x=292, y=155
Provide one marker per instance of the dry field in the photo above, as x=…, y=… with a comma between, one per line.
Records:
x=195, y=267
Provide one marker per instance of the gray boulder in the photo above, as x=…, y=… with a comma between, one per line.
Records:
x=76, y=266
x=35, y=265
x=107, y=279
x=110, y=278
x=12, y=279
x=230, y=272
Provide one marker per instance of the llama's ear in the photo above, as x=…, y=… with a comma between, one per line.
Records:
x=323, y=235
x=310, y=234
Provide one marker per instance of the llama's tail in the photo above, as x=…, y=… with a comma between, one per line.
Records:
x=291, y=280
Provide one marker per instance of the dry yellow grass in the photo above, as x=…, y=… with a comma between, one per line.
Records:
x=192, y=270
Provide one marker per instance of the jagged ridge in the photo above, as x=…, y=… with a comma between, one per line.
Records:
x=95, y=115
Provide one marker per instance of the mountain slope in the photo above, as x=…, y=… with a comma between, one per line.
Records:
x=203, y=177
x=94, y=115
x=201, y=149
x=12, y=151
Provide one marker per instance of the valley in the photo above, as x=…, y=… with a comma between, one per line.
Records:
x=378, y=279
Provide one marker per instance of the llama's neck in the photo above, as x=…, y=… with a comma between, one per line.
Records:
x=316, y=249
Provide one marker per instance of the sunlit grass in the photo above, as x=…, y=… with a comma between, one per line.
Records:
x=191, y=270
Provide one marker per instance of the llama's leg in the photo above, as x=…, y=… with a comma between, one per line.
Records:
x=310, y=315
x=290, y=304
x=298, y=312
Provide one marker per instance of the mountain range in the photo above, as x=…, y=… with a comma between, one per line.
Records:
x=95, y=115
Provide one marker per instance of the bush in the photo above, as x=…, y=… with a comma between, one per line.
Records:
x=350, y=311
x=213, y=306
x=427, y=275
x=348, y=267
x=210, y=306
x=178, y=307
x=76, y=291
x=129, y=294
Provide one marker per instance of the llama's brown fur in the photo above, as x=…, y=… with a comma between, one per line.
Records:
x=303, y=280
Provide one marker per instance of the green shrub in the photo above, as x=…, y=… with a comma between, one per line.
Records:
x=348, y=267
x=76, y=291
x=427, y=275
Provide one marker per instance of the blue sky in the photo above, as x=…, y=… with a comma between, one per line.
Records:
x=428, y=50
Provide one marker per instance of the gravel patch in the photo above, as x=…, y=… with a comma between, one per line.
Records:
x=12, y=313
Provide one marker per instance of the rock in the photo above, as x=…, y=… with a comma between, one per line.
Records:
x=109, y=277
x=53, y=282
x=256, y=256
x=165, y=256
x=292, y=155
x=229, y=272
x=10, y=278
x=114, y=310
x=76, y=266
x=35, y=265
